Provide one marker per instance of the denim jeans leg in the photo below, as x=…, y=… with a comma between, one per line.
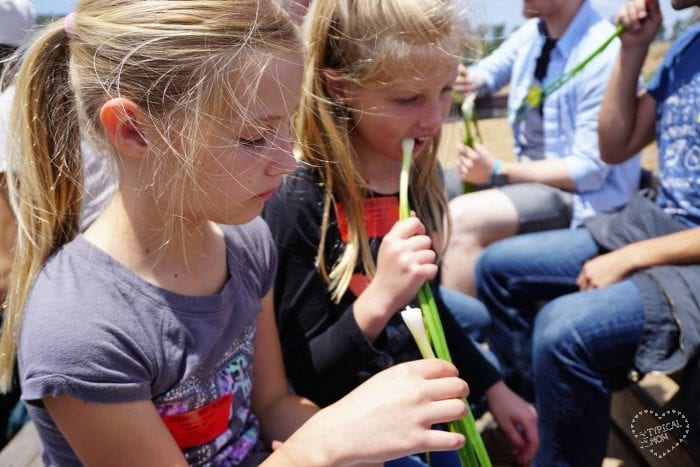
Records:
x=514, y=277
x=470, y=313
x=582, y=342
x=436, y=459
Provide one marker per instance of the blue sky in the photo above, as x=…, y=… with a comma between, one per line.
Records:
x=492, y=11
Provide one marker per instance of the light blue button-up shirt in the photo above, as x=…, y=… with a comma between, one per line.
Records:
x=570, y=114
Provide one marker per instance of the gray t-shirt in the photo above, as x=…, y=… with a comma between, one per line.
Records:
x=95, y=331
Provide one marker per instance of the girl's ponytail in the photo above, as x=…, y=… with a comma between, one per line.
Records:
x=44, y=175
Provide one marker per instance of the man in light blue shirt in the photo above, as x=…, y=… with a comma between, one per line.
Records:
x=558, y=178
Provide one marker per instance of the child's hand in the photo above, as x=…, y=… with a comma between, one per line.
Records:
x=475, y=165
x=606, y=269
x=516, y=418
x=641, y=19
x=466, y=82
x=404, y=262
x=391, y=414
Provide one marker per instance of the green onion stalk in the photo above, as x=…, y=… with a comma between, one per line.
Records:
x=536, y=96
x=473, y=453
x=471, y=129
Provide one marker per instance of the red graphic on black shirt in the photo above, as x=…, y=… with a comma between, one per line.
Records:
x=380, y=213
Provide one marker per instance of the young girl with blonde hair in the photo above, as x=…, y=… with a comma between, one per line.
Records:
x=376, y=73
x=150, y=339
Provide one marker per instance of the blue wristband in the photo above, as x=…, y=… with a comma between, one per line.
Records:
x=495, y=170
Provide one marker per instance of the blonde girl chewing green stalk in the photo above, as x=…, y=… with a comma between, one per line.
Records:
x=150, y=339
x=377, y=72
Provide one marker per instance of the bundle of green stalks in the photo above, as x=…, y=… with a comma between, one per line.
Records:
x=473, y=453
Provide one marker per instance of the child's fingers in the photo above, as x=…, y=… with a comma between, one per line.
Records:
x=426, y=271
x=640, y=7
x=516, y=438
x=448, y=389
x=439, y=440
x=406, y=228
x=430, y=368
x=532, y=442
x=424, y=257
x=629, y=16
x=447, y=410
x=654, y=10
x=418, y=242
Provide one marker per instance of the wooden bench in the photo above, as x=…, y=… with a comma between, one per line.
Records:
x=657, y=393
x=24, y=450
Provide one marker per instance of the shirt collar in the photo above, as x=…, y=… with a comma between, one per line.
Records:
x=583, y=19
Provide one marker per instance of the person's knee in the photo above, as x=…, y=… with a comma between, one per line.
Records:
x=556, y=332
x=487, y=215
x=491, y=263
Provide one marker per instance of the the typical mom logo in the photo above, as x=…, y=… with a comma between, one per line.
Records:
x=660, y=434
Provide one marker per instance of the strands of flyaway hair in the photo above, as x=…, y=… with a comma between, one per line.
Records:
x=473, y=453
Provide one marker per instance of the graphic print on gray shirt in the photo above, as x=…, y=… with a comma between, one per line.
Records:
x=95, y=331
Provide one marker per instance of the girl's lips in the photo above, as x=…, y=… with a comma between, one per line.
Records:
x=268, y=194
x=420, y=144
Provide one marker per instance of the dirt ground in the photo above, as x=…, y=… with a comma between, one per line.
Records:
x=498, y=137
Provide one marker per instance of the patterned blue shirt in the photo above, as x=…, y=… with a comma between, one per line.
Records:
x=570, y=114
x=676, y=90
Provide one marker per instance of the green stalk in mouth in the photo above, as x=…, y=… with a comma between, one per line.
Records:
x=473, y=454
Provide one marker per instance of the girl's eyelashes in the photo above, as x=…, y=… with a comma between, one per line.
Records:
x=407, y=100
x=252, y=143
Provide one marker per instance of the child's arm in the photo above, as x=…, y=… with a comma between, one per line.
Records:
x=128, y=433
x=677, y=248
x=404, y=262
x=324, y=348
x=627, y=119
x=387, y=417
x=279, y=412
x=517, y=419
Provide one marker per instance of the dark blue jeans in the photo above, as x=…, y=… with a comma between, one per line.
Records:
x=470, y=313
x=571, y=348
x=437, y=459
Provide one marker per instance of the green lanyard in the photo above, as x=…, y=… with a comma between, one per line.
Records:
x=536, y=95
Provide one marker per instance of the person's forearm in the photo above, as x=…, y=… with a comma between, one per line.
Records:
x=317, y=443
x=325, y=362
x=553, y=172
x=284, y=417
x=677, y=248
x=372, y=312
x=619, y=107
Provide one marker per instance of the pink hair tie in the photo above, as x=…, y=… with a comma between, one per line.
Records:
x=69, y=24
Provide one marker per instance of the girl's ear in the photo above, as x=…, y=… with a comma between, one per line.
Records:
x=334, y=84
x=122, y=121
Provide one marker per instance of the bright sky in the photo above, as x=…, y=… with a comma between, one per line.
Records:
x=492, y=11
x=510, y=11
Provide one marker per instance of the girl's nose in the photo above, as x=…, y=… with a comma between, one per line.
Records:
x=282, y=160
x=433, y=117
